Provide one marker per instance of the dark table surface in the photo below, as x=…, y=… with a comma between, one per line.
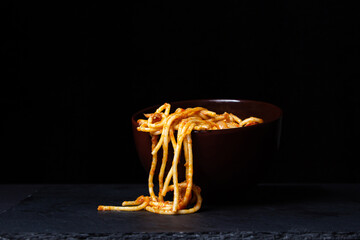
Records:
x=269, y=208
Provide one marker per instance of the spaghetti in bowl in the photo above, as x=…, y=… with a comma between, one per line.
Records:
x=223, y=160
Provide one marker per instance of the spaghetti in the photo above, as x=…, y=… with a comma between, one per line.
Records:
x=165, y=127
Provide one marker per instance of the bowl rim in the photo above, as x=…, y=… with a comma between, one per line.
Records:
x=278, y=118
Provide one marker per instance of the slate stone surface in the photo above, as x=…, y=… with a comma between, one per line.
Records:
x=187, y=235
x=12, y=194
x=271, y=210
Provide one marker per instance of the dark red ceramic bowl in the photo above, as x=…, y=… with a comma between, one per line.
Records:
x=229, y=159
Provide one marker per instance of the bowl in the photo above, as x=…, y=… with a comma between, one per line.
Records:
x=224, y=160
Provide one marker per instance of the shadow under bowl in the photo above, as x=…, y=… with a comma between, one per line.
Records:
x=224, y=160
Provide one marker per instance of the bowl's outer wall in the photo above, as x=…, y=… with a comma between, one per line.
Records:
x=228, y=159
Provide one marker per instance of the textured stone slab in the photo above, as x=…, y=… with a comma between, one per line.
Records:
x=186, y=235
x=269, y=208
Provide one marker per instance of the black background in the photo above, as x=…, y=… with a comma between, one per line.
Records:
x=73, y=74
